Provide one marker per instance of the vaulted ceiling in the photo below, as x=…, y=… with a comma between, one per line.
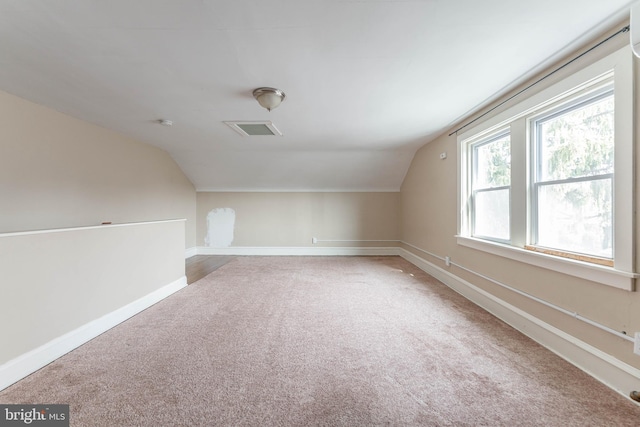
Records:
x=367, y=81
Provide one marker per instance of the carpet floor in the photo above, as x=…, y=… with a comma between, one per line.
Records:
x=319, y=341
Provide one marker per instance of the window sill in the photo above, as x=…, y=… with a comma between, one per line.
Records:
x=584, y=270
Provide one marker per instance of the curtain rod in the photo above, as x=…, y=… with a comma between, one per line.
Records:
x=623, y=30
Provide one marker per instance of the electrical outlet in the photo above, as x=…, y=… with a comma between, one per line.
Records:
x=447, y=261
x=314, y=240
x=636, y=344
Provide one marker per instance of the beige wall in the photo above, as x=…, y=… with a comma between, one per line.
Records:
x=429, y=221
x=56, y=282
x=292, y=219
x=57, y=172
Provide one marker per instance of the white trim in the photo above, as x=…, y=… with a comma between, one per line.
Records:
x=298, y=251
x=27, y=363
x=89, y=227
x=296, y=190
x=584, y=270
x=612, y=372
x=624, y=188
x=354, y=241
x=189, y=252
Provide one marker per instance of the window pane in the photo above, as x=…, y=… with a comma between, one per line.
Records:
x=578, y=143
x=576, y=217
x=491, y=214
x=493, y=163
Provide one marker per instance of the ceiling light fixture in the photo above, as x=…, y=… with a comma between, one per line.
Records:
x=269, y=97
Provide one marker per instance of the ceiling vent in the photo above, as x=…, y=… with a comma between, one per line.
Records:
x=254, y=128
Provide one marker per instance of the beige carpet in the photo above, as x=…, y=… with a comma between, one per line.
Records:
x=319, y=341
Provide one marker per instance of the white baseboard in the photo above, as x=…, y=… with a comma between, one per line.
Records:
x=605, y=368
x=298, y=251
x=25, y=364
x=188, y=253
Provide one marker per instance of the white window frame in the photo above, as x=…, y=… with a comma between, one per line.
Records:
x=472, y=146
x=593, y=94
x=516, y=118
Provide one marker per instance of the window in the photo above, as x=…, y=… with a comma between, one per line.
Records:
x=550, y=181
x=491, y=181
x=573, y=166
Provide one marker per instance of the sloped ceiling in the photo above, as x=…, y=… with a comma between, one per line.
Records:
x=368, y=82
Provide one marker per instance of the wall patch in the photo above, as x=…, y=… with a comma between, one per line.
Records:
x=220, y=225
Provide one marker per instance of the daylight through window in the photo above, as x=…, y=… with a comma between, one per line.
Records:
x=573, y=181
x=550, y=181
x=491, y=183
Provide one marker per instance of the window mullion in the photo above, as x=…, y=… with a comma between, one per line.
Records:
x=519, y=180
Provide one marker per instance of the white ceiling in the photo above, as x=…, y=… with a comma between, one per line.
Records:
x=367, y=81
